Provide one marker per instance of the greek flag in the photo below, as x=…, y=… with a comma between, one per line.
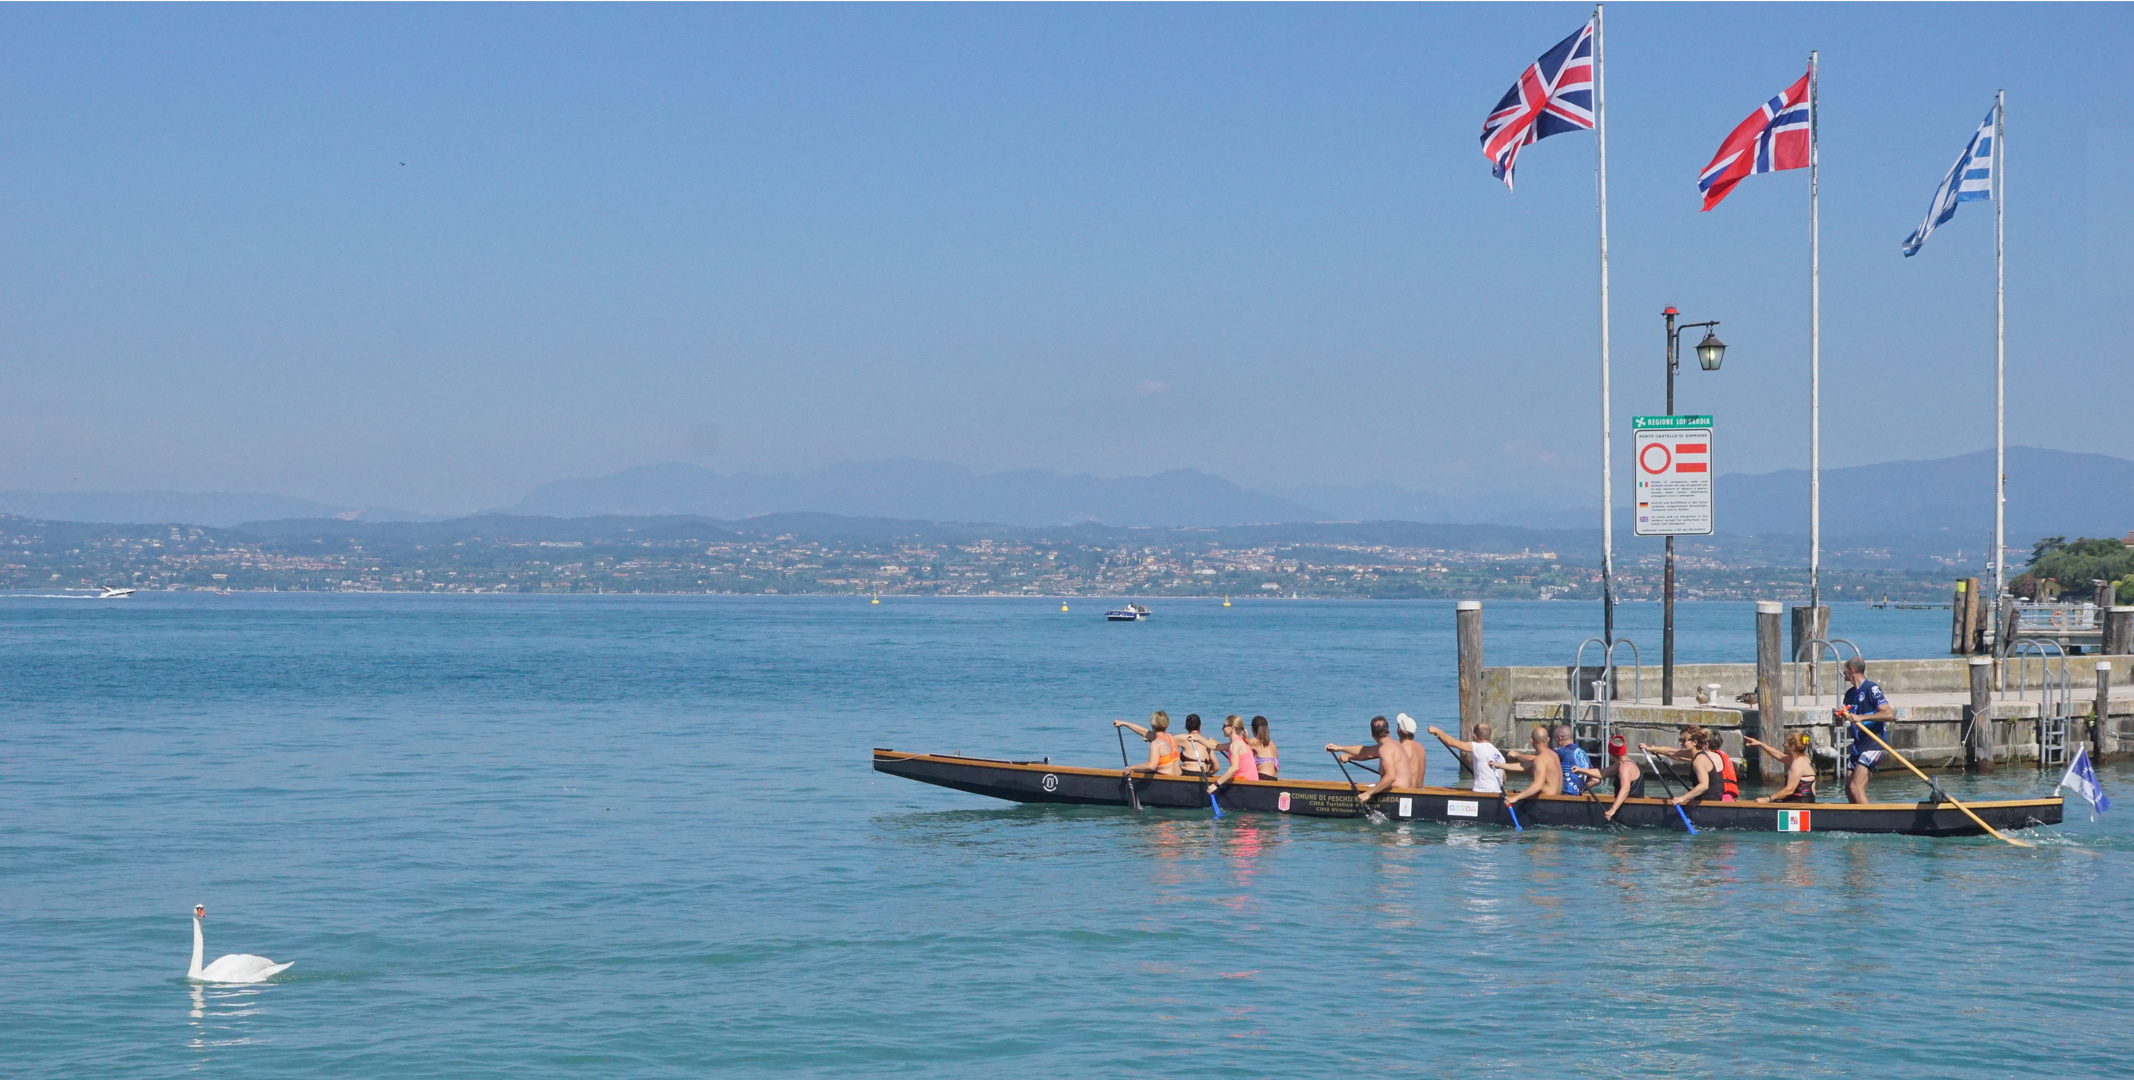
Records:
x=1971, y=178
x=2084, y=780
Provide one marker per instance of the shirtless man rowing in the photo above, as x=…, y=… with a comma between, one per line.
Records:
x=1400, y=760
x=1542, y=762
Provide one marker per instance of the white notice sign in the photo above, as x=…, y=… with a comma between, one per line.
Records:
x=1674, y=471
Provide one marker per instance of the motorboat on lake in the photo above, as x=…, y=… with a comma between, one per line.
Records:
x=113, y=592
x=1129, y=613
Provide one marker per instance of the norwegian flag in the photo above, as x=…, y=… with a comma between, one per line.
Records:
x=1773, y=138
x=1552, y=96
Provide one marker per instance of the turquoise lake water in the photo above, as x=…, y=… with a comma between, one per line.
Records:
x=639, y=836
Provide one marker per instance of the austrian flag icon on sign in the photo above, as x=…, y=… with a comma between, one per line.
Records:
x=1674, y=471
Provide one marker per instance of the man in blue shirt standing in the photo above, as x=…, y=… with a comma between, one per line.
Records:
x=1865, y=709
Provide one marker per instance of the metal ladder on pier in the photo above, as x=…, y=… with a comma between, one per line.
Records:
x=2056, y=695
x=1811, y=655
x=1595, y=719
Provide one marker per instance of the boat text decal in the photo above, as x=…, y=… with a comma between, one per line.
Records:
x=1462, y=808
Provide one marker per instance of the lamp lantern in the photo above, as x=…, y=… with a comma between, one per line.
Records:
x=1710, y=351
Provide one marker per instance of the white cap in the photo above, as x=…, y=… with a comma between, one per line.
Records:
x=1468, y=605
x=1769, y=607
x=1406, y=722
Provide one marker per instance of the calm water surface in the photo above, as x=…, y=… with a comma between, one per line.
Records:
x=640, y=836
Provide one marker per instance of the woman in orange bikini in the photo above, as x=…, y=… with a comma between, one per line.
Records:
x=1163, y=749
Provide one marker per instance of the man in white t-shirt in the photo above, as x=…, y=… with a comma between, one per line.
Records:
x=1487, y=760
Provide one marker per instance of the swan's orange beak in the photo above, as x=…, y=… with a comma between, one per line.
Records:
x=199, y=911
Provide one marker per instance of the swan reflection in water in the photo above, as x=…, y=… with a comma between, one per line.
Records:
x=220, y=1017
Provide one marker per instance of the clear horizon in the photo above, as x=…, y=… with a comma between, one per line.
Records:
x=430, y=258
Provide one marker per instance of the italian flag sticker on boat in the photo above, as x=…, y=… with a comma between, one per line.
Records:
x=1793, y=821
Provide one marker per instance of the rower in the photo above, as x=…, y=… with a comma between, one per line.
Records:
x=1264, y=753
x=1865, y=706
x=1629, y=779
x=1572, y=757
x=1418, y=758
x=1163, y=746
x=1488, y=760
x=1799, y=763
x=1711, y=765
x=1393, y=761
x=1542, y=762
x=1196, y=752
x=1243, y=765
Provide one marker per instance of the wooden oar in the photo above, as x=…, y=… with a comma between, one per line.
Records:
x=1132, y=799
x=1670, y=789
x=1355, y=792
x=1936, y=788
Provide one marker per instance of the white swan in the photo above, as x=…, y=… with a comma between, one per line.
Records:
x=234, y=968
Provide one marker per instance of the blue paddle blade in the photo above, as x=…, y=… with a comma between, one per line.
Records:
x=1515, y=818
x=1218, y=806
x=1685, y=819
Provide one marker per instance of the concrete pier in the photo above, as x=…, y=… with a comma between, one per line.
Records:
x=1942, y=722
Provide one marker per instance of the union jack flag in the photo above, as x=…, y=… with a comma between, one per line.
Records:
x=1552, y=96
x=1773, y=138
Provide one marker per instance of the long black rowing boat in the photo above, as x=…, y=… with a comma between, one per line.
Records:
x=1042, y=782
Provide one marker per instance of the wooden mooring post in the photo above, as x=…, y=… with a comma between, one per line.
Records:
x=2118, y=631
x=1770, y=692
x=1964, y=618
x=2104, y=710
x=1978, y=730
x=1467, y=618
x=1809, y=624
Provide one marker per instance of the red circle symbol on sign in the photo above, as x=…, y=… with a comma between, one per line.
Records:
x=1646, y=457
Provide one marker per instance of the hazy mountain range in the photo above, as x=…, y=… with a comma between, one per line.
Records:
x=1946, y=500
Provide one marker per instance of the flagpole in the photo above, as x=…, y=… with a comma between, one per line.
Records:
x=2000, y=364
x=1600, y=131
x=1815, y=365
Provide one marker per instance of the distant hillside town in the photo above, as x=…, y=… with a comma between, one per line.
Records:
x=828, y=554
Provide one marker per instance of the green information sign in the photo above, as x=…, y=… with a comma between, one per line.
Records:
x=1640, y=423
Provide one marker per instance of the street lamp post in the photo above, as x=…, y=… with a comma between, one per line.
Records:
x=1710, y=352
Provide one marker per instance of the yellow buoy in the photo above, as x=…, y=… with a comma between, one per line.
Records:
x=877, y=599
x=1226, y=600
x=1063, y=605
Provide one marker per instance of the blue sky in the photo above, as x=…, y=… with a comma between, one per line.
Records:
x=1260, y=241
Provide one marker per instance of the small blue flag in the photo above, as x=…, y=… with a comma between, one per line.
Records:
x=1971, y=178
x=2084, y=780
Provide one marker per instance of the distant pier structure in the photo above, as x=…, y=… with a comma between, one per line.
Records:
x=2093, y=627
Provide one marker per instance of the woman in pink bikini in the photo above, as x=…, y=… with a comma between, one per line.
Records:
x=1242, y=764
x=1264, y=753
